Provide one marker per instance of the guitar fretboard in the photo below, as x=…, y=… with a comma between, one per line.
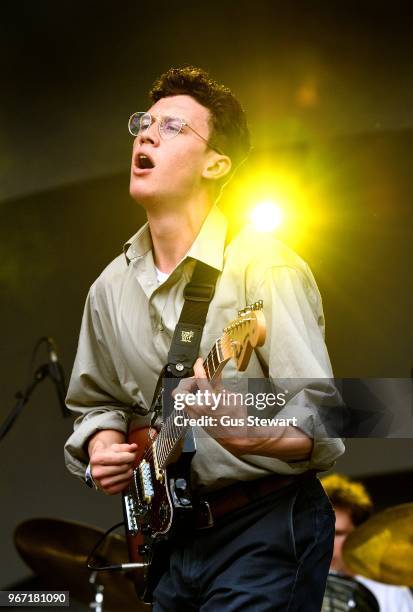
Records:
x=171, y=434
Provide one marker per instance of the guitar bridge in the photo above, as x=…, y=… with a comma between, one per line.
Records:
x=158, y=471
x=130, y=511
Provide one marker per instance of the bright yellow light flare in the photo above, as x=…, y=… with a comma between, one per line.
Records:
x=294, y=211
x=267, y=216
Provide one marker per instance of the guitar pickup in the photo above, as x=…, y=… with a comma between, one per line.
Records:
x=146, y=481
x=158, y=470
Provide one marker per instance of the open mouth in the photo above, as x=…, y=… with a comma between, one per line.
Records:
x=143, y=162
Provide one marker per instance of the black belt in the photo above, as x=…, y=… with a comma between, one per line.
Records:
x=211, y=507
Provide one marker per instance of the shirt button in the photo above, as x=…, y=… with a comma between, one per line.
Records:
x=160, y=327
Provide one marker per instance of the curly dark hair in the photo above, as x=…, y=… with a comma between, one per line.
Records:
x=229, y=130
x=348, y=495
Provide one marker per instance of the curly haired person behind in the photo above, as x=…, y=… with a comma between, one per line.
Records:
x=353, y=506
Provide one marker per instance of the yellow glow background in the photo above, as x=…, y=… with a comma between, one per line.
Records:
x=263, y=181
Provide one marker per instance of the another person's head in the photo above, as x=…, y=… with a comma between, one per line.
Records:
x=200, y=152
x=352, y=505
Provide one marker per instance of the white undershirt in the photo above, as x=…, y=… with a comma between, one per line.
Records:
x=161, y=276
x=390, y=598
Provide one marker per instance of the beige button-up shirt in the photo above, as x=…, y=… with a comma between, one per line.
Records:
x=129, y=320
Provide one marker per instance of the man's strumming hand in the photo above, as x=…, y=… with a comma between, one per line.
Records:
x=111, y=460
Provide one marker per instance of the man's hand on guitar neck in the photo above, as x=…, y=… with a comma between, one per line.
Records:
x=111, y=460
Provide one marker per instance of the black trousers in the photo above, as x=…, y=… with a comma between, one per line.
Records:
x=272, y=555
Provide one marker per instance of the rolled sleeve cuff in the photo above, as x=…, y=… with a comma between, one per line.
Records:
x=76, y=455
x=326, y=450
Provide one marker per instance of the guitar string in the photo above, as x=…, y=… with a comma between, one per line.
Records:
x=163, y=438
x=167, y=442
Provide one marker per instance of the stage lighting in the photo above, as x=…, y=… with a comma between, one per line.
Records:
x=267, y=216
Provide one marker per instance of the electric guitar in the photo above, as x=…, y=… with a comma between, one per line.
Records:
x=158, y=497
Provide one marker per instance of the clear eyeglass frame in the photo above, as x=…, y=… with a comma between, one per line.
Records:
x=168, y=127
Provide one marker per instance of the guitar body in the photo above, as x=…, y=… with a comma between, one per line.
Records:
x=154, y=505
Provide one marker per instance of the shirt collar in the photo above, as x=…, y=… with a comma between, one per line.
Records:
x=139, y=244
x=207, y=247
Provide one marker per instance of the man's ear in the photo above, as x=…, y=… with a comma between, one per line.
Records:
x=216, y=167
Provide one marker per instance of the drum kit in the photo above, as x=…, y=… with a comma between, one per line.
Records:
x=380, y=549
x=57, y=551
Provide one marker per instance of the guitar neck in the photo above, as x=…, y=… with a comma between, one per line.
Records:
x=215, y=361
x=171, y=434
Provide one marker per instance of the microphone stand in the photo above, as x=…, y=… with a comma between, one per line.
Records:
x=22, y=399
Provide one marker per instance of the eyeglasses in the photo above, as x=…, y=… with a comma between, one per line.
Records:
x=168, y=127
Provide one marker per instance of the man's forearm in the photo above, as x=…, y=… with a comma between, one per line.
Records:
x=286, y=444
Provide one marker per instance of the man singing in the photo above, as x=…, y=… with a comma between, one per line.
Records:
x=271, y=549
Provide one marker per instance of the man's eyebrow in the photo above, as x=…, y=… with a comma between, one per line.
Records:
x=168, y=116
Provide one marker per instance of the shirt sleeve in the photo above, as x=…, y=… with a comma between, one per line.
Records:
x=297, y=357
x=95, y=391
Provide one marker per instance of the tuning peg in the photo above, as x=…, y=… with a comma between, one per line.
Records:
x=257, y=305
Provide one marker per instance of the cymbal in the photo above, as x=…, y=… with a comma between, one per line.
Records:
x=382, y=547
x=57, y=551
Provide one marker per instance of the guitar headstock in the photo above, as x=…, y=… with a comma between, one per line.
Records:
x=243, y=334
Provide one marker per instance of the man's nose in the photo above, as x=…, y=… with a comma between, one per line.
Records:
x=149, y=135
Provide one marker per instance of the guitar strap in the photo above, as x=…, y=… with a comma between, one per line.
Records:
x=186, y=340
x=198, y=294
